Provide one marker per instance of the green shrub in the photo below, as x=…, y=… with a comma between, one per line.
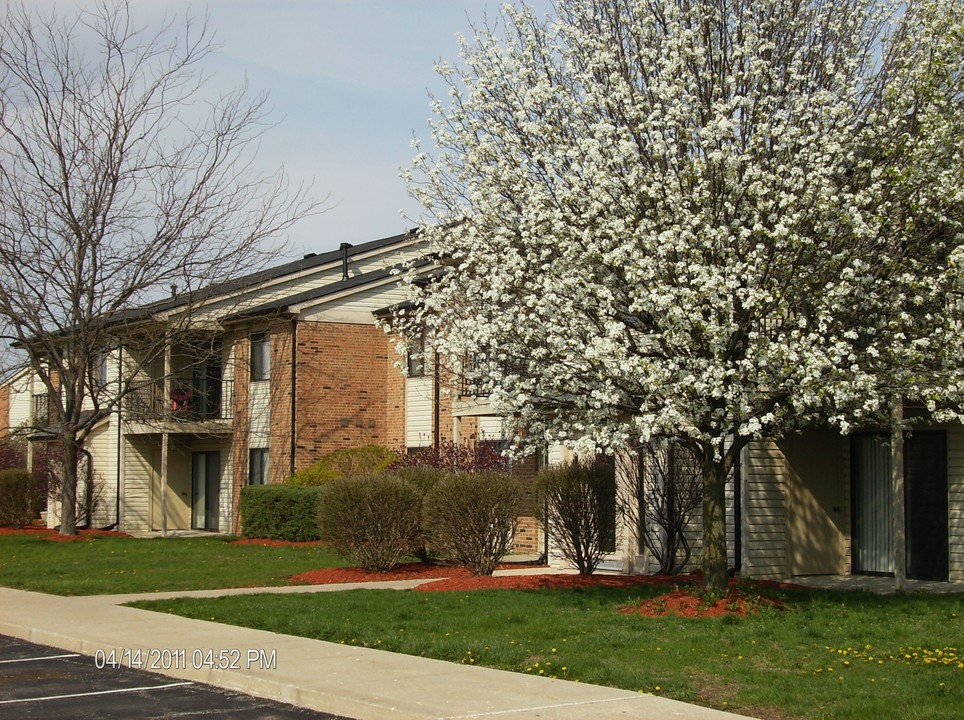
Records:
x=423, y=479
x=372, y=520
x=280, y=512
x=20, y=497
x=369, y=460
x=580, y=510
x=470, y=518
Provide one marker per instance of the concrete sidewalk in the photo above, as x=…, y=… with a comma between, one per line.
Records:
x=354, y=682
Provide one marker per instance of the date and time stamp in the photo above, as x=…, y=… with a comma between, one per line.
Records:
x=161, y=659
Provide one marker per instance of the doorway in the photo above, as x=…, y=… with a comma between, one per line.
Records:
x=206, y=490
x=925, y=504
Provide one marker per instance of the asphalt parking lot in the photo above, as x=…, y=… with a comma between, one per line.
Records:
x=37, y=681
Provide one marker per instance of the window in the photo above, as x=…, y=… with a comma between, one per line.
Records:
x=102, y=369
x=258, y=466
x=260, y=356
x=416, y=355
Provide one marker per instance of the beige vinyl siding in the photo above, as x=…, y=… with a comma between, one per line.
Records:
x=21, y=399
x=357, y=307
x=493, y=428
x=418, y=412
x=955, y=478
x=764, y=510
x=136, y=485
x=102, y=446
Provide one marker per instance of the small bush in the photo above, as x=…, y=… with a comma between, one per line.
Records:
x=371, y=520
x=280, y=512
x=470, y=518
x=20, y=499
x=580, y=510
x=423, y=479
x=369, y=460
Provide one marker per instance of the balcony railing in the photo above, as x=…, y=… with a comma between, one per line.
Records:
x=189, y=401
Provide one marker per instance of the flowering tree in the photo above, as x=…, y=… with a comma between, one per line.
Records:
x=712, y=221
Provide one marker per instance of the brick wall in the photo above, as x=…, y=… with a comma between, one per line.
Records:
x=279, y=437
x=394, y=397
x=4, y=410
x=342, y=389
x=239, y=437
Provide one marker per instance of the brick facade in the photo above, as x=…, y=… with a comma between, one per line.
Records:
x=342, y=389
x=4, y=410
x=279, y=437
x=239, y=437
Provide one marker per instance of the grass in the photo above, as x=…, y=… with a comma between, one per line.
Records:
x=826, y=655
x=105, y=565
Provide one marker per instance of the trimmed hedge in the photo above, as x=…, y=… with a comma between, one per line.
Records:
x=280, y=512
x=20, y=498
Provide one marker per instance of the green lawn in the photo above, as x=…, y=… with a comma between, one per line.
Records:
x=122, y=565
x=828, y=655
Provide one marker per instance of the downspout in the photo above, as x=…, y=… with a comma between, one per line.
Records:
x=294, y=388
x=437, y=411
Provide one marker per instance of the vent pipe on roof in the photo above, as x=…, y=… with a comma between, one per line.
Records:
x=344, y=259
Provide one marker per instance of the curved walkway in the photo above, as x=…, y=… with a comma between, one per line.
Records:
x=353, y=682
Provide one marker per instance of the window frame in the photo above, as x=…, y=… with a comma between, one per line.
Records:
x=260, y=356
x=258, y=460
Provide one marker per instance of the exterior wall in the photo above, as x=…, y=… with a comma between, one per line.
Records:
x=103, y=445
x=16, y=402
x=139, y=471
x=341, y=389
x=396, y=406
x=279, y=411
x=764, y=512
x=5, y=423
x=241, y=430
x=955, y=477
x=419, y=393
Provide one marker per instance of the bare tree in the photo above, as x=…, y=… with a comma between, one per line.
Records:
x=120, y=179
x=666, y=479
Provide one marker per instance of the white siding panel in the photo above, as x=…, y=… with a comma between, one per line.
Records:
x=136, y=486
x=955, y=478
x=418, y=412
x=259, y=414
x=764, y=511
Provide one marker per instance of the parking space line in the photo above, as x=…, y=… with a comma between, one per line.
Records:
x=99, y=692
x=39, y=657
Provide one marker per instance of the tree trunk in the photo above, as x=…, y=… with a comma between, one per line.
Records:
x=68, y=486
x=714, y=524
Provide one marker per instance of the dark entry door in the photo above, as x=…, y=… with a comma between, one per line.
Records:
x=925, y=505
x=206, y=490
x=925, y=468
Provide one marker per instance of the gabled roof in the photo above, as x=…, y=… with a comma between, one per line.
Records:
x=319, y=293
x=254, y=280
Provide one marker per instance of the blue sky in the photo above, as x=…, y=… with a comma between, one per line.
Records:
x=349, y=82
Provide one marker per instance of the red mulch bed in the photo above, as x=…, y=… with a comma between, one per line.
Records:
x=55, y=536
x=683, y=601
x=687, y=602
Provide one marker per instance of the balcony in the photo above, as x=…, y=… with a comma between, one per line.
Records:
x=190, y=401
